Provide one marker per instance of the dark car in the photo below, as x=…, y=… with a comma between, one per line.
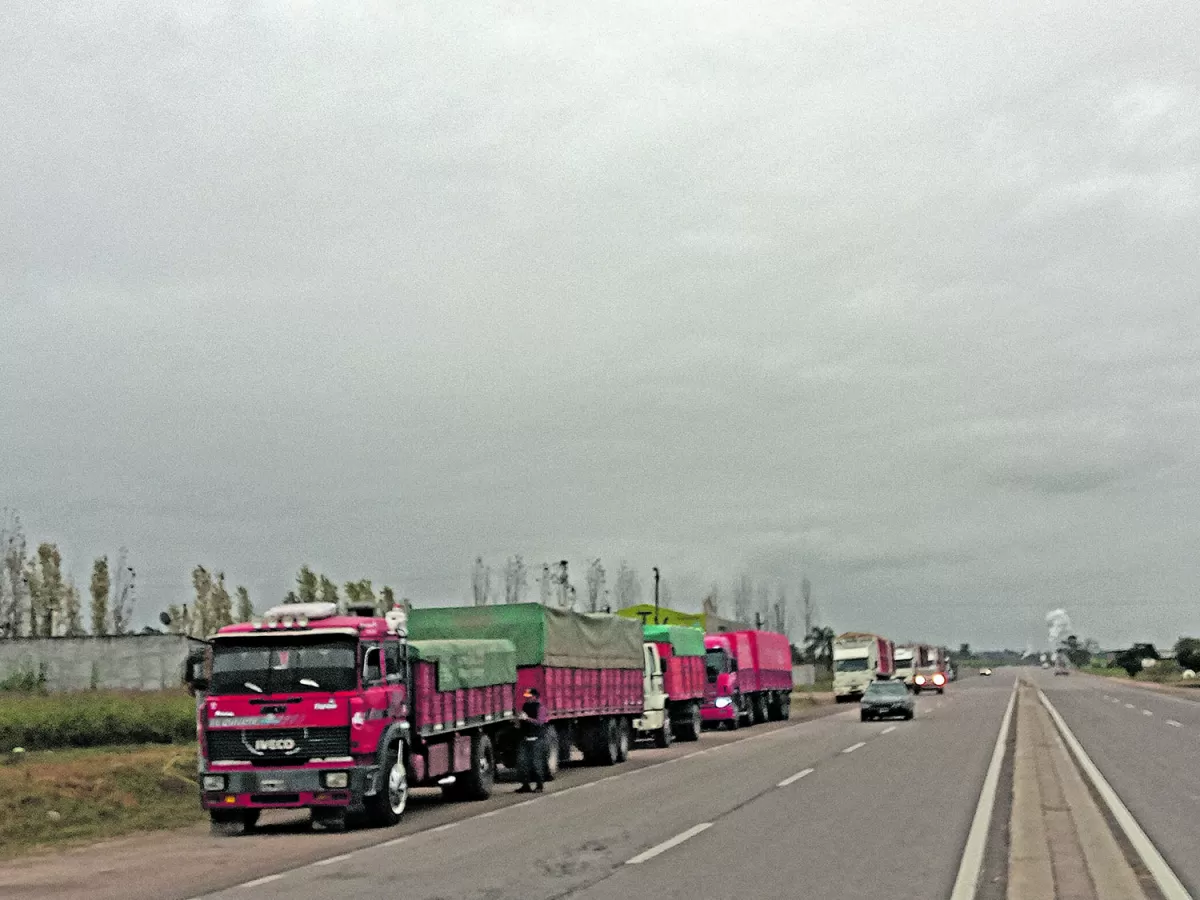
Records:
x=887, y=699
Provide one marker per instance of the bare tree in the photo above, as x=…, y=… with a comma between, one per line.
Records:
x=220, y=604
x=245, y=609
x=47, y=590
x=515, y=580
x=809, y=608
x=595, y=584
x=72, y=617
x=743, y=598
x=100, y=586
x=481, y=577
x=628, y=588
x=307, y=583
x=545, y=586
x=329, y=591
x=387, y=600
x=123, y=594
x=712, y=601
x=781, y=611
x=562, y=584
x=200, y=622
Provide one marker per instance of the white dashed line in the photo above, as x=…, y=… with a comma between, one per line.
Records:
x=261, y=881
x=667, y=845
x=854, y=747
x=1174, y=724
x=792, y=779
x=332, y=860
x=1129, y=706
x=888, y=730
x=1146, y=712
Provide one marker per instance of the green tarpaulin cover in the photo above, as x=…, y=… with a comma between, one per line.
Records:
x=468, y=664
x=684, y=641
x=541, y=635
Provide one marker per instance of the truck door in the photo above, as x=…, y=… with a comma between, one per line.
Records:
x=652, y=678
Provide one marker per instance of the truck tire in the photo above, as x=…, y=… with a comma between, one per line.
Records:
x=665, y=736
x=387, y=806
x=477, y=783
x=689, y=728
x=624, y=739
x=785, y=707
x=553, y=753
x=233, y=822
x=758, y=709
x=606, y=742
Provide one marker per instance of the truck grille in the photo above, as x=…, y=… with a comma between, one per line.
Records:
x=272, y=746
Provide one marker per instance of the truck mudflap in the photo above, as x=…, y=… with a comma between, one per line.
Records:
x=288, y=788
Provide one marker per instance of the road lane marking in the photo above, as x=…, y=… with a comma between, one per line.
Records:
x=792, y=779
x=854, y=747
x=888, y=730
x=332, y=860
x=1129, y=706
x=394, y=841
x=967, y=880
x=258, y=882
x=445, y=827
x=1168, y=882
x=1174, y=724
x=1146, y=712
x=667, y=845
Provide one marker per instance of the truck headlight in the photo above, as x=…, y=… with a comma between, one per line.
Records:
x=336, y=779
x=723, y=702
x=214, y=782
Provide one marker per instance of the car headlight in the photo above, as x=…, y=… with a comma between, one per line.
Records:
x=336, y=779
x=214, y=782
x=723, y=702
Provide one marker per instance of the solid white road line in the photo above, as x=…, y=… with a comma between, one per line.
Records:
x=888, y=730
x=967, y=879
x=854, y=747
x=445, y=827
x=1174, y=724
x=1168, y=882
x=792, y=779
x=667, y=845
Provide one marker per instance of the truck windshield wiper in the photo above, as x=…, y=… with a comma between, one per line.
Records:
x=252, y=686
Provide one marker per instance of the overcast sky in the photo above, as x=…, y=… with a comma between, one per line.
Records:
x=902, y=295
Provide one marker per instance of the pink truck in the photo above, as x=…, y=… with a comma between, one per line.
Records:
x=749, y=678
x=342, y=715
x=588, y=669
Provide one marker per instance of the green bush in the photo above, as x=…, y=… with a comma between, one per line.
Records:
x=95, y=719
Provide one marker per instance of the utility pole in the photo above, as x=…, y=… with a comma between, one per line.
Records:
x=656, y=595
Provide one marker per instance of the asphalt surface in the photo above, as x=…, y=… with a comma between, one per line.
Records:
x=1146, y=744
x=877, y=805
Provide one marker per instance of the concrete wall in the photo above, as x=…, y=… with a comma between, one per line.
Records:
x=804, y=675
x=143, y=662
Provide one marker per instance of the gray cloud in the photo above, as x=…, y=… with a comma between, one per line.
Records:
x=900, y=297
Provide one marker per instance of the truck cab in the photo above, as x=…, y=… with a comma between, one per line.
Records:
x=306, y=709
x=654, y=720
x=722, y=699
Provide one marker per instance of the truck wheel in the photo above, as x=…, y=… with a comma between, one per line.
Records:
x=624, y=739
x=689, y=729
x=664, y=737
x=387, y=806
x=553, y=748
x=758, y=709
x=233, y=822
x=477, y=783
x=605, y=742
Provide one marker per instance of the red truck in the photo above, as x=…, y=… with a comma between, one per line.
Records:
x=587, y=667
x=674, y=684
x=749, y=678
x=342, y=715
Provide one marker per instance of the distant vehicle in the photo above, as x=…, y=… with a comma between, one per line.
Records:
x=1061, y=668
x=932, y=672
x=985, y=671
x=749, y=675
x=906, y=665
x=858, y=660
x=887, y=699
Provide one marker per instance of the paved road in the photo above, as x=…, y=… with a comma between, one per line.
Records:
x=1147, y=745
x=714, y=821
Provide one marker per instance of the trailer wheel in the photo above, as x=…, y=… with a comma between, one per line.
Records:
x=624, y=739
x=606, y=742
x=785, y=707
x=386, y=807
x=553, y=748
x=664, y=737
x=233, y=822
x=758, y=709
x=477, y=783
x=689, y=728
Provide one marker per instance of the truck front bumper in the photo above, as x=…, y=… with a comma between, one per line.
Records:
x=287, y=788
x=718, y=713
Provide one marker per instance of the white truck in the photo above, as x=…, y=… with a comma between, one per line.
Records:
x=906, y=666
x=858, y=659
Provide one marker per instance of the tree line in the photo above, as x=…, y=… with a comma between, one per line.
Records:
x=38, y=600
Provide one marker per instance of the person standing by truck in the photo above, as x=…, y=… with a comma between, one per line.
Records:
x=531, y=759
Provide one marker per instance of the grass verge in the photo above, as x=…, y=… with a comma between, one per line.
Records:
x=95, y=718
x=55, y=799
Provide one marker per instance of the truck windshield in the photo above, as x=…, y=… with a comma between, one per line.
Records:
x=268, y=667
x=859, y=664
x=717, y=662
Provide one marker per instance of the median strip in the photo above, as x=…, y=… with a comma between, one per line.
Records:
x=667, y=845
